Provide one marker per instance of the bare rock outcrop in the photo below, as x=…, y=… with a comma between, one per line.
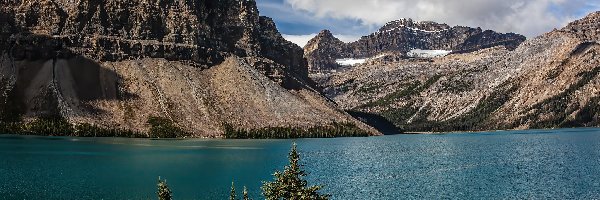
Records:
x=402, y=36
x=322, y=51
x=202, y=32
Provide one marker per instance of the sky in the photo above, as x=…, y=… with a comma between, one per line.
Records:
x=300, y=20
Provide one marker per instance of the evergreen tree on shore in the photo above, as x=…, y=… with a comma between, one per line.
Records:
x=164, y=193
x=245, y=193
x=232, y=195
x=290, y=183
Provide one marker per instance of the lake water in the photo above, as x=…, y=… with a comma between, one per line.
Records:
x=538, y=164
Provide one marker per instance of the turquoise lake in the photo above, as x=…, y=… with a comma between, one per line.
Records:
x=536, y=164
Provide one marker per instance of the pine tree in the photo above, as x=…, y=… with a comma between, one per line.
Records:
x=164, y=193
x=245, y=193
x=290, y=184
x=232, y=196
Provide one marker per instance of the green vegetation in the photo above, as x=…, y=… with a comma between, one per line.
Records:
x=368, y=88
x=10, y=115
x=10, y=127
x=290, y=183
x=331, y=131
x=52, y=126
x=401, y=114
x=164, y=128
x=472, y=120
x=287, y=185
x=456, y=86
x=11, y=122
x=58, y=126
x=434, y=79
x=410, y=89
x=558, y=107
x=346, y=85
x=557, y=111
x=164, y=193
x=89, y=130
x=588, y=115
x=245, y=194
x=557, y=71
x=232, y=195
x=10, y=110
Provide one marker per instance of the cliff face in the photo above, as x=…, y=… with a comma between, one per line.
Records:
x=202, y=32
x=402, y=36
x=322, y=51
x=116, y=63
x=547, y=82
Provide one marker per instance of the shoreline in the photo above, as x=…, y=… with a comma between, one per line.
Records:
x=488, y=131
x=224, y=138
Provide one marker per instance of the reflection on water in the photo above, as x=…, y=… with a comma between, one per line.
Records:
x=537, y=164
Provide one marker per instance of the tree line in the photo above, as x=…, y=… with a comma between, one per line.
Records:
x=58, y=126
x=161, y=127
x=329, y=131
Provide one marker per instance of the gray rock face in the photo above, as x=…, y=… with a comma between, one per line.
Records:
x=202, y=32
x=551, y=81
x=400, y=37
x=322, y=51
x=587, y=28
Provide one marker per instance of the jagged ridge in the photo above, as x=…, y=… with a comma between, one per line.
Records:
x=400, y=37
x=203, y=32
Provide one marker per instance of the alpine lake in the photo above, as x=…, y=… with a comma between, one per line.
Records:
x=533, y=164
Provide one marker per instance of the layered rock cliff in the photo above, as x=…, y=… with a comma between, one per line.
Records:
x=550, y=81
x=199, y=64
x=402, y=36
x=202, y=32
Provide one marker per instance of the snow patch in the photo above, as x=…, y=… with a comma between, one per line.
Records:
x=357, y=61
x=379, y=56
x=302, y=40
x=428, y=53
x=412, y=29
x=350, y=61
x=426, y=31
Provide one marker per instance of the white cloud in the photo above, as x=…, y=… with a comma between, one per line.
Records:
x=302, y=40
x=347, y=38
x=528, y=17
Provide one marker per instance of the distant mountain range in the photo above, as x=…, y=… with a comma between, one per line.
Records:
x=550, y=81
x=400, y=37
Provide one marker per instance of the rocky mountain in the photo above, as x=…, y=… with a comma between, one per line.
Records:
x=550, y=81
x=402, y=36
x=116, y=64
x=323, y=50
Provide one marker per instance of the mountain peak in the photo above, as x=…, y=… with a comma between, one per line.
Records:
x=324, y=46
x=587, y=28
x=425, y=26
x=400, y=37
x=324, y=33
x=325, y=36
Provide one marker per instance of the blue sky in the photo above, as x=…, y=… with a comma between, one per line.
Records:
x=300, y=20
